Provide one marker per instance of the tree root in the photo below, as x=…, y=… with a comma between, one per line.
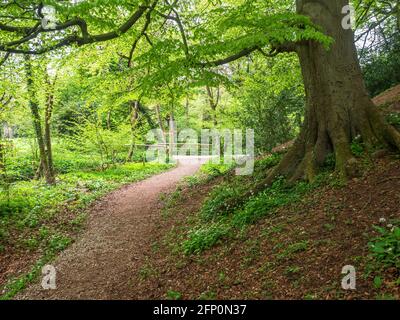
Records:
x=304, y=160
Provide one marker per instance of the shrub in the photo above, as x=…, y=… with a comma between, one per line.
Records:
x=357, y=149
x=205, y=237
x=228, y=196
x=215, y=170
x=386, y=247
x=217, y=224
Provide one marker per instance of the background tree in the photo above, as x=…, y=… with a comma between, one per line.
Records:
x=378, y=41
x=43, y=138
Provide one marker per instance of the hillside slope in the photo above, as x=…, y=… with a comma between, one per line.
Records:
x=390, y=98
x=294, y=249
x=295, y=252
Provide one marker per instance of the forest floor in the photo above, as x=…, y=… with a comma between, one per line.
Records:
x=297, y=252
x=101, y=264
x=132, y=245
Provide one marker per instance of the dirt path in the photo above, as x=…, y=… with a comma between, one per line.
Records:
x=102, y=262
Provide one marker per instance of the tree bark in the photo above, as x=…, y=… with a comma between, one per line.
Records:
x=2, y=150
x=133, y=120
x=213, y=100
x=47, y=127
x=146, y=114
x=50, y=179
x=109, y=120
x=187, y=107
x=160, y=124
x=338, y=108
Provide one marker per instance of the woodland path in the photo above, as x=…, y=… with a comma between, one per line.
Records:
x=105, y=259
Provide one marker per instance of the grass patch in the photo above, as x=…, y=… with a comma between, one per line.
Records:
x=204, y=237
x=221, y=217
x=174, y=295
x=292, y=249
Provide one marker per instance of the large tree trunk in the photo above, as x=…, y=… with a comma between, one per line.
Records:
x=338, y=108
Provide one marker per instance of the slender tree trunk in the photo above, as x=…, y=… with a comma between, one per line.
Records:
x=4, y=101
x=338, y=107
x=213, y=100
x=49, y=150
x=109, y=120
x=39, y=171
x=47, y=127
x=133, y=120
x=187, y=107
x=160, y=123
x=37, y=123
x=172, y=141
x=2, y=151
x=146, y=114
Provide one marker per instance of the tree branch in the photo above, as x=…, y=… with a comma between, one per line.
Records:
x=275, y=50
x=85, y=38
x=181, y=29
x=7, y=55
x=219, y=62
x=142, y=33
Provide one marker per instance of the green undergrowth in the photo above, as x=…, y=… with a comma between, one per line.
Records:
x=35, y=217
x=225, y=212
x=22, y=160
x=393, y=118
x=207, y=173
x=229, y=209
x=385, y=248
x=384, y=255
x=225, y=216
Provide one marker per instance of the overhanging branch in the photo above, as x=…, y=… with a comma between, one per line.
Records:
x=142, y=33
x=83, y=39
x=275, y=50
x=234, y=57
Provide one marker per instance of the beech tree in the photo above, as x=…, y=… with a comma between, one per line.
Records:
x=338, y=106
